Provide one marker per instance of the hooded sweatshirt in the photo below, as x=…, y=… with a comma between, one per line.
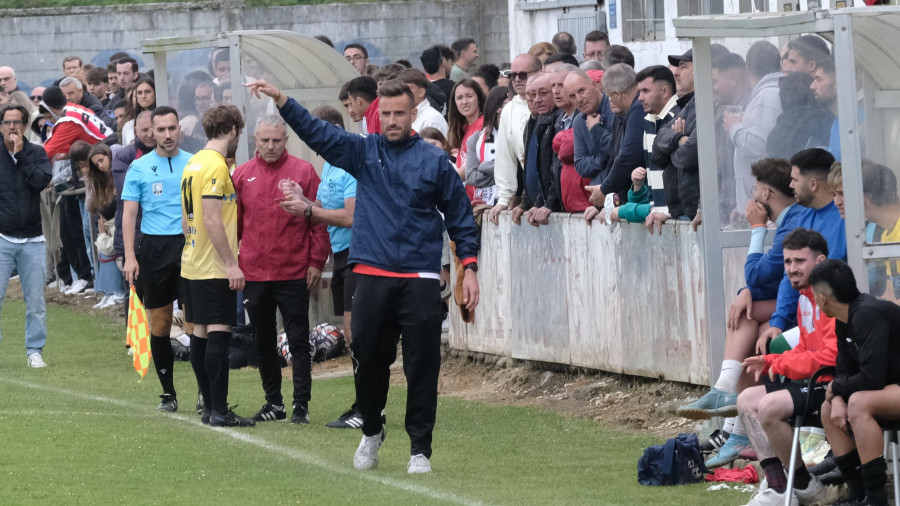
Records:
x=752, y=132
x=574, y=196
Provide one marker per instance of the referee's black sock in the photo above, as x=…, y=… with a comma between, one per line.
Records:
x=217, y=369
x=198, y=362
x=164, y=361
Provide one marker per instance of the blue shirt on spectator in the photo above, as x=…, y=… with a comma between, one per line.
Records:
x=154, y=182
x=336, y=186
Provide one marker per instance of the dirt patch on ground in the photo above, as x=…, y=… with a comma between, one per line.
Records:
x=611, y=399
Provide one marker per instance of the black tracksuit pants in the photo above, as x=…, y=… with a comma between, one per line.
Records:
x=72, y=236
x=261, y=298
x=385, y=308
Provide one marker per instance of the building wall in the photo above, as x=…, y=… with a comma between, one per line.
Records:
x=35, y=41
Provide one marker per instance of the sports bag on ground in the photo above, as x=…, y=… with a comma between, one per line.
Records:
x=677, y=462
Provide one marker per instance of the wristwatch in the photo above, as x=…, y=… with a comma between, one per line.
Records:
x=471, y=266
x=308, y=211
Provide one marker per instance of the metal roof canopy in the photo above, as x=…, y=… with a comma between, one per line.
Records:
x=303, y=67
x=862, y=41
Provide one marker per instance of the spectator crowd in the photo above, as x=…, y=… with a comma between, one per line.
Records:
x=105, y=188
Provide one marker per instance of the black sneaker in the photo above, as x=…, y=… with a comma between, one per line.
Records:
x=204, y=416
x=270, y=412
x=229, y=419
x=351, y=419
x=827, y=465
x=301, y=413
x=716, y=440
x=169, y=403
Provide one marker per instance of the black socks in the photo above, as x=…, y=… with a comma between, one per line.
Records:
x=774, y=474
x=164, y=361
x=849, y=465
x=874, y=479
x=198, y=362
x=216, y=361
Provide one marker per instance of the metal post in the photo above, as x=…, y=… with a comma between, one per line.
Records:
x=709, y=200
x=238, y=94
x=161, y=77
x=851, y=156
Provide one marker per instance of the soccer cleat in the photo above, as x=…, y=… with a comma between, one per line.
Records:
x=270, y=413
x=828, y=464
x=169, y=403
x=769, y=497
x=301, y=413
x=204, y=416
x=366, y=456
x=713, y=403
x=716, y=440
x=349, y=420
x=229, y=419
x=814, y=492
x=418, y=464
x=748, y=454
x=736, y=444
x=35, y=360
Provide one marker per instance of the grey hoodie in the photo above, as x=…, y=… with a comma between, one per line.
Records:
x=751, y=134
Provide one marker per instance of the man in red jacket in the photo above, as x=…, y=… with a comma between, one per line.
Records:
x=282, y=257
x=766, y=409
x=71, y=123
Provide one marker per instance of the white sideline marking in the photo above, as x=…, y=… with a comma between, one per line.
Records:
x=238, y=435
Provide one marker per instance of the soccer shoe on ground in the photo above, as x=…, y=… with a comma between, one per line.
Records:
x=204, y=416
x=270, y=413
x=366, y=456
x=35, y=360
x=169, y=403
x=828, y=464
x=736, y=444
x=713, y=403
x=418, y=464
x=817, y=453
x=229, y=419
x=716, y=440
x=814, y=493
x=301, y=413
x=769, y=497
x=748, y=454
x=349, y=420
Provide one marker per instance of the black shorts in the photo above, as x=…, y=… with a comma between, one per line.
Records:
x=159, y=279
x=798, y=393
x=343, y=283
x=210, y=302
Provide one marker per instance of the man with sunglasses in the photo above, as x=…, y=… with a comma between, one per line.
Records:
x=37, y=94
x=510, y=143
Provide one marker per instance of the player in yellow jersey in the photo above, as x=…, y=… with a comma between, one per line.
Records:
x=209, y=261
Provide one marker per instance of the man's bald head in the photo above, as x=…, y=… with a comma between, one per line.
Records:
x=522, y=67
x=8, y=79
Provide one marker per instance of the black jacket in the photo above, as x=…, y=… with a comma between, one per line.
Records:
x=548, y=171
x=868, y=347
x=21, y=182
x=803, y=123
x=681, y=176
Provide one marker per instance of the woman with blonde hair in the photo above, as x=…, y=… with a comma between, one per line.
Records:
x=542, y=50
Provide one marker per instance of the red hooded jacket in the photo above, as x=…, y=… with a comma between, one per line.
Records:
x=817, y=347
x=574, y=196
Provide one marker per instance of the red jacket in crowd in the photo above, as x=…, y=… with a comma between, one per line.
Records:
x=77, y=124
x=817, y=347
x=574, y=196
x=276, y=245
x=373, y=118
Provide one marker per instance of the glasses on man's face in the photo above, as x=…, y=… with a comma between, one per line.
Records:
x=36, y=98
x=12, y=123
x=356, y=57
x=203, y=100
x=522, y=75
x=593, y=56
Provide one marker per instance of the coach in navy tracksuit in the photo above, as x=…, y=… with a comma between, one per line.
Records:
x=396, y=250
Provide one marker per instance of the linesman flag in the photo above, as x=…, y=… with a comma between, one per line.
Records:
x=138, y=333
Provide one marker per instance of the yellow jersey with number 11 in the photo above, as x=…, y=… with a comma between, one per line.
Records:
x=206, y=177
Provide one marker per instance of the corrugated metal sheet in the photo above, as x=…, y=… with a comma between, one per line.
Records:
x=609, y=298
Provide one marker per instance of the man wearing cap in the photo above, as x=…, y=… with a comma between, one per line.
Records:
x=675, y=148
x=510, y=142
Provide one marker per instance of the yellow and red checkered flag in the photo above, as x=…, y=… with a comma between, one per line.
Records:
x=138, y=333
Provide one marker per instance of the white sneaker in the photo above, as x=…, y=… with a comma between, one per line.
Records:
x=35, y=360
x=110, y=302
x=366, y=456
x=769, y=497
x=418, y=464
x=812, y=494
x=77, y=287
x=118, y=298
x=101, y=303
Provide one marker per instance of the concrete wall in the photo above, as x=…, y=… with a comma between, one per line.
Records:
x=610, y=298
x=35, y=41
